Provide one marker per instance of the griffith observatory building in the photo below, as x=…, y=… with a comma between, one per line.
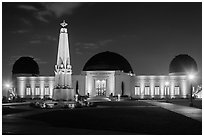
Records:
x=104, y=74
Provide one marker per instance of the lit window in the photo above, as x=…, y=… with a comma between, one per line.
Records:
x=166, y=90
x=47, y=91
x=177, y=90
x=156, y=90
x=37, y=91
x=28, y=91
x=147, y=91
x=137, y=90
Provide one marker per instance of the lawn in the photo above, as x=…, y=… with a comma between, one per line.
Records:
x=133, y=117
x=11, y=110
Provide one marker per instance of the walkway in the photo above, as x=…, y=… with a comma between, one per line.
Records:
x=191, y=112
x=15, y=104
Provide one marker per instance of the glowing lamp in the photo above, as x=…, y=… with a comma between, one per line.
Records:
x=191, y=76
x=166, y=83
x=7, y=85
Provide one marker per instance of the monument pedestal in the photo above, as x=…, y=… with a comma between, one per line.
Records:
x=63, y=94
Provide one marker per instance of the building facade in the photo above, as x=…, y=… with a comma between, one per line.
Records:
x=108, y=83
x=105, y=74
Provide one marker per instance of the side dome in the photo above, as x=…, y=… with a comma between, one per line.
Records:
x=183, y=64
x=25, y=65
x=107, y=61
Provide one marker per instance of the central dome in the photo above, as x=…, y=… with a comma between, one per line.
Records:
x=107, y=61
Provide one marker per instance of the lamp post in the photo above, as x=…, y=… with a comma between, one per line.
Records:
x=118, y=97
x=191, y=77
x=76, y=97
x=8, y=87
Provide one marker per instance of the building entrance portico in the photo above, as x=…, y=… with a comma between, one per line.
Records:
x=100, y=83
x=100, y=87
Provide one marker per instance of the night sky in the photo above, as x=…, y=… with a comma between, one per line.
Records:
x=148, y=35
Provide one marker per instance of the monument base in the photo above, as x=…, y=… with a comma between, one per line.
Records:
x=63, y=94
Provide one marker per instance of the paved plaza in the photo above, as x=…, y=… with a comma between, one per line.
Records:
x=191, y=112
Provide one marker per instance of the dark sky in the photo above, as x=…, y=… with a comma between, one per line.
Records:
x=148, y=35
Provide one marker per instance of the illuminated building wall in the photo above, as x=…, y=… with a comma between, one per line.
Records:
x=109, y=83
x=177, y=85
x=127, y=86
x=42, y=86
x=36, y=86
x=21, y=86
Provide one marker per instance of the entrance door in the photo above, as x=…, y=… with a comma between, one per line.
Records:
x=166, y=91
x=100, y=86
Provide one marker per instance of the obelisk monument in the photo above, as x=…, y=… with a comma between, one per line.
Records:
x=63, y=70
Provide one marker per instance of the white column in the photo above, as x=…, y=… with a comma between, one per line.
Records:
x=152, y=87
x=42, y=88
x=21, y=87
x=32, y=86
x=142, y=85
x=51, y=87
x=172, y=85
x=162, y=87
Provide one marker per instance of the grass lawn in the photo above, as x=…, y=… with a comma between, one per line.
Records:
x=11, y=110
x=134, y=117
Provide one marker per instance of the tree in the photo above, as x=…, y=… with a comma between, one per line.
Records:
x=122, y=88
x=77, y=87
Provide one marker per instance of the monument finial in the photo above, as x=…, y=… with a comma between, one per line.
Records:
x=63, y=24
